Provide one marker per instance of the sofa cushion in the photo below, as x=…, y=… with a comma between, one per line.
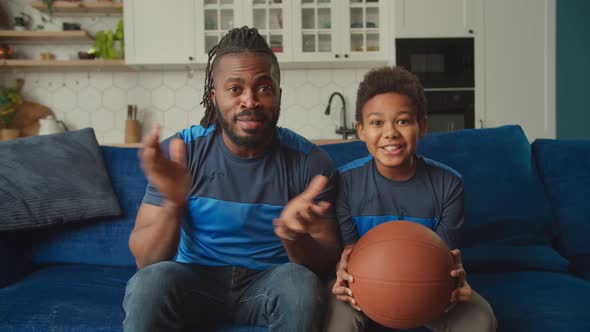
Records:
x=104, y=242
x=565, y=170
x=53, y=179
x=507, y=258
x=15, y=257
x=504, y=198
x=535, y=300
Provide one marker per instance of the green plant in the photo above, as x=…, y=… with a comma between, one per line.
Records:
x=49, y=5
x=104, y=43
x=9, y=98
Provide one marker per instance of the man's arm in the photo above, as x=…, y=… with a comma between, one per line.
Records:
x=309, y=230
x=156, y=233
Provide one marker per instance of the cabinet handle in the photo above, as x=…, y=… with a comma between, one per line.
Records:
x=471, y=31
x=336, y=55
x=346, y=55
x=191, y=58
x=480, y=123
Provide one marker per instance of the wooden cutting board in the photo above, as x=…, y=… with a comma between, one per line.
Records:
x=27, y=117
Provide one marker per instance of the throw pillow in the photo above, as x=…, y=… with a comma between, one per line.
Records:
x=53, y=179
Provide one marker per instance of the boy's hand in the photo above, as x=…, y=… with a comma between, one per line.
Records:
x=301, y=215
x=340, y=288
x=463, y=291
x=169, y=176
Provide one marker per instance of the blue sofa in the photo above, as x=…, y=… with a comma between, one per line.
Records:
x=526, y=247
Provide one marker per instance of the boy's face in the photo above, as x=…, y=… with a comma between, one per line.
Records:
x=391, y=130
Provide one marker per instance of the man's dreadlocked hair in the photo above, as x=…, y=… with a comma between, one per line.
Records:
x=237, y=40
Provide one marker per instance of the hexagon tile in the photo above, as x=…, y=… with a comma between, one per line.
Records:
x=171, y=99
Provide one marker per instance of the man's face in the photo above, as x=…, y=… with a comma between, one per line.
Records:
x=247, y=101
x=391, y=130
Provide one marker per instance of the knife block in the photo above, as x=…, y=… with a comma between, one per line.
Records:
x=132, y=131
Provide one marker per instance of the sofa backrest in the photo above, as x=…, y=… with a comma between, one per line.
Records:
x=104, y=241
x=505, y=200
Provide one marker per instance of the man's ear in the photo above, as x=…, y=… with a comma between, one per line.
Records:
x=213, y=100
x=422, y=126
x=360, y=131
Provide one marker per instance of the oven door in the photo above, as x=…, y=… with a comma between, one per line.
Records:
x=450, y=110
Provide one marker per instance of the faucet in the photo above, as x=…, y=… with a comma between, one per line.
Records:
x=342, y=130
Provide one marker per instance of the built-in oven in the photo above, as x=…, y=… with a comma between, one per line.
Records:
x=450, y=110
x=446, y=69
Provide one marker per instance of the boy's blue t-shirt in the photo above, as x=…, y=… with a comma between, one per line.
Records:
x=432, y=197
x=233, y=201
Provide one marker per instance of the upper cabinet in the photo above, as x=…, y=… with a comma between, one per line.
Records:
x=436, y=18
x=159, y=33
x=335, y=30
x=271, y=17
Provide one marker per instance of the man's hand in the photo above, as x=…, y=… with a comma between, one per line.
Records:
x=340, y=288
x=463, y=291
x=169, y=176
x=301, y=215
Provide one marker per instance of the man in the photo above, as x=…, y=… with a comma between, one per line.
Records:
x=235, y=226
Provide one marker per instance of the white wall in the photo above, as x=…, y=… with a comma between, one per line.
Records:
x=99, y=99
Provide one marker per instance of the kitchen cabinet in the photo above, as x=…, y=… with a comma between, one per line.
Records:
x=436, y=18
x=157, y=32
x=270, y=17
x=334, y=30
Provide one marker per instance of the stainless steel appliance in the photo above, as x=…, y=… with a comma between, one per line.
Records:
x=445, y=67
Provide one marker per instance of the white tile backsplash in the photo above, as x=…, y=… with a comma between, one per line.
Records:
x=98, y=98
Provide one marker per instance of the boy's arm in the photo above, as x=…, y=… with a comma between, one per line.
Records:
x=452, y=216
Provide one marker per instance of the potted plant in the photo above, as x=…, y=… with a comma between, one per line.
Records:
x=108, y=44
x=9, y=98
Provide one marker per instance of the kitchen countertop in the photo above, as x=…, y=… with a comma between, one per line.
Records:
x=316, y=141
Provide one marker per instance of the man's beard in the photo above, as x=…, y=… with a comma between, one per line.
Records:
x=248, y=142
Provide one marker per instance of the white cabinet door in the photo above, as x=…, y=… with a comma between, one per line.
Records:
x=435, y=18
x=519, y=65
x=159, y=32
x=213, y=20
x=339, y=31
x=272, y=18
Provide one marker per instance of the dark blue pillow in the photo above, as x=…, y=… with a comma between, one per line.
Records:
x=565, y=169
x=53, y=179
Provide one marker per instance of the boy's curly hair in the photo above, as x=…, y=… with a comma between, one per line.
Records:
x=390, y=79
x=237, y=40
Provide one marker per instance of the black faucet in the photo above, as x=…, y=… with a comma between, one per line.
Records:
x=342, y=130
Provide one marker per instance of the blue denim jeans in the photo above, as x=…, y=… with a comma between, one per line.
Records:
x=171, y=296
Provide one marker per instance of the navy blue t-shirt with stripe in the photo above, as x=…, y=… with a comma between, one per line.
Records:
x=432, y=197
x=232, y=201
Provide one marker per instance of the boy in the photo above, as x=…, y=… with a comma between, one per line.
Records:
x=394, y=183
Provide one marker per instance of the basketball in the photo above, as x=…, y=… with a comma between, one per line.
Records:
x=402, y=274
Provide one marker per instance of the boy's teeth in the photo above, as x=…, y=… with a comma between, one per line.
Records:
x=390, y=148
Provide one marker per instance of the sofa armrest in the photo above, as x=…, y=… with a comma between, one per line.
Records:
x=15, y=257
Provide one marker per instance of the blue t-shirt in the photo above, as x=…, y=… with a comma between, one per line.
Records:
x=432, y=197
x=233, y=201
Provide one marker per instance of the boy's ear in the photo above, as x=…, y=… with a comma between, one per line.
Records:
x=212, y=94
x=360, y=131
x=422, y=126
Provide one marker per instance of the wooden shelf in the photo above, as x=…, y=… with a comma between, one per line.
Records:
x=30, y=37
x=83, y=7
x=62, y=64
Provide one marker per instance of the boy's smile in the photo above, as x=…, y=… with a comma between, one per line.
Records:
x=391, y=129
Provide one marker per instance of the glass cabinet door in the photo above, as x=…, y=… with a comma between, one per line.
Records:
x=314, y=29
x=272, y=19
x=364, y=26
x=219, y=16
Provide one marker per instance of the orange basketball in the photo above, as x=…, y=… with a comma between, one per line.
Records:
x=402, y=274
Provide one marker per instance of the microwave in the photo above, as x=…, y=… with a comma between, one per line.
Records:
x=438, y=62
x=450, y=110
